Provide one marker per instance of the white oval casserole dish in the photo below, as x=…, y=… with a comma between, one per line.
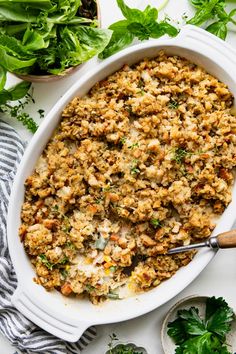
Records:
x=68, y=318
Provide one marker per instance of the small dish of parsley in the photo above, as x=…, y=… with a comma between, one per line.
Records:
x=199, y=325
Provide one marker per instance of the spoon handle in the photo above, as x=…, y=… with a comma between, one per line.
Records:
x=227, y=239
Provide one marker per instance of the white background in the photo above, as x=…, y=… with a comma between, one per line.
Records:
x=218, y=279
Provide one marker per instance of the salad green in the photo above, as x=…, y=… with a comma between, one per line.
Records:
x=44, y=36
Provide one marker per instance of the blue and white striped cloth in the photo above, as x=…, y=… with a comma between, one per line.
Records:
x=22, y=333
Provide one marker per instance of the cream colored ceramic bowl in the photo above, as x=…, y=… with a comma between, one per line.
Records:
x=66, y=317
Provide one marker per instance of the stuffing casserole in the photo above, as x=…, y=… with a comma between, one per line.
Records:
x=141, y=164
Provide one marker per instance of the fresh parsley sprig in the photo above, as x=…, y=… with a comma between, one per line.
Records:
x=193, y=334
x=180, y=154
x=137, y=24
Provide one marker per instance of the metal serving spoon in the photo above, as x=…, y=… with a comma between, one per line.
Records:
x=223, y=240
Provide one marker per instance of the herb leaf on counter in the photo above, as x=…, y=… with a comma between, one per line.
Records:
x=193, y=334
x=15, y=94
x=138, y=24
x=19, y=91
x=218, y=28
x=205, y=12
x=212, y=10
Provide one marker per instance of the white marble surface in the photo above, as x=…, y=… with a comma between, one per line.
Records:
x=218, y=278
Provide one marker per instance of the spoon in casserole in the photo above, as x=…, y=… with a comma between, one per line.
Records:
x=223, y=240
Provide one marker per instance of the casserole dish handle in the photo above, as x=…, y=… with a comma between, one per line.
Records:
x=193, y=37
x=56, y=325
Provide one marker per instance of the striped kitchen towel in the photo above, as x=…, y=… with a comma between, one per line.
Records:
x=22, y=333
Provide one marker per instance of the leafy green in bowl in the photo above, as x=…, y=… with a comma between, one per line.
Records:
x=199, y=325
x=44, y=37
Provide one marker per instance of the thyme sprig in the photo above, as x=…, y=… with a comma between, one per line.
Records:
x=20, y=97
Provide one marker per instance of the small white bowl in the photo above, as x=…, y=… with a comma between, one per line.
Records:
x=168, y=344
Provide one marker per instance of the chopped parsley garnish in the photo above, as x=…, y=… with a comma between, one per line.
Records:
x=89, y=288
x=173, y=104
x=70, y=245
x=133, y=146
x=194, y=334
x=45, y=261
x=99, y=200
x=108, y=188
x=64, y=260
x=140, y=83
x=134, y=168
x=48, y=264
x=180, y=155
x=123, y=140
x=55, y=208
x=64, y=273
x=66, y=227
x=155, y=223
x=142, y=92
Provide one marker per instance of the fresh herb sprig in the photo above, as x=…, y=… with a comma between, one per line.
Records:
x=155, y=223
x=45, y=261
x=137, y=24
x=134, y=170
x=173, y=104
x=122, y=348
x=213, y=10
x=15, y=94
x=180, y=154
x=193, y=334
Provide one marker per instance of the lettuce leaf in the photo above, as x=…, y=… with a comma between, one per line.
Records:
x=43, y=36
x=78, y=44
